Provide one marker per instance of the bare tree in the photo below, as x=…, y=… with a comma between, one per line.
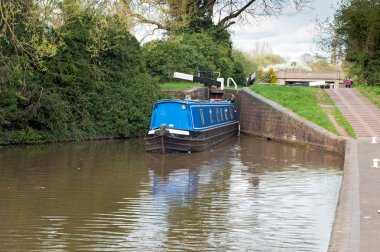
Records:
x=329, y=41
x=170, y=14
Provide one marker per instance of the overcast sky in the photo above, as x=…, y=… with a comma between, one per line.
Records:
x=289, y=35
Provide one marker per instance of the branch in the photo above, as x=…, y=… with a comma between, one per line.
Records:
x=235, y=14
x=147, y=35
x=148, y=21
x=140, y=18
x=228, y=24
x=210, y=6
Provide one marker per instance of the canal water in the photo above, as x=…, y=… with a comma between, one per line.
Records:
x=245, y=194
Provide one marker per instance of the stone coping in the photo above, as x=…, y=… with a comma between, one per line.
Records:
x=345, y=235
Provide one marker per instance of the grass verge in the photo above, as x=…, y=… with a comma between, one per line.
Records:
x=372, y=93
x=306, y=102
x=179, y=85
x=342, y=121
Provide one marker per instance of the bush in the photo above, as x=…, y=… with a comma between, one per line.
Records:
x=190, y=53
x=94, y=85
x=267, y=77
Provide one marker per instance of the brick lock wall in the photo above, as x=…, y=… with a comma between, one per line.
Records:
x=262, y=117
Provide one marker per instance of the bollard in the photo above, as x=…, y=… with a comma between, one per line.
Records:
x=374, y=140
x=375, y=163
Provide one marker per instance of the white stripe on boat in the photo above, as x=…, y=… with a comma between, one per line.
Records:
x=172, y=131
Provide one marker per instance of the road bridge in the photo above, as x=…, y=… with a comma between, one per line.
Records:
x=290, y=77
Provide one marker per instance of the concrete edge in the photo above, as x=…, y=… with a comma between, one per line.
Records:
x=345, y=235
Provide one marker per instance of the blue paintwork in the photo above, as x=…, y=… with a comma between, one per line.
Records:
x=171, y=113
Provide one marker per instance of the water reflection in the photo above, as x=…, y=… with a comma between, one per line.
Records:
x=245, y=194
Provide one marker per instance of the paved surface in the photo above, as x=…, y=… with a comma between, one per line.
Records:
x=369, y=195
x=363, y=115
x=365, y=119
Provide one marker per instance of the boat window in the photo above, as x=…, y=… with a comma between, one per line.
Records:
x=221, y=114
x=231, y=113
x=217, y=115
x=212, y=121
x=202, y=116
x=226, y=113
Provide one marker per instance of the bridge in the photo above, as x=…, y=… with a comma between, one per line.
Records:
x=299, y=77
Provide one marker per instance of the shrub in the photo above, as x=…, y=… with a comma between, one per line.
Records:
x=267, y=77
x=95, y=84
x=190, y=53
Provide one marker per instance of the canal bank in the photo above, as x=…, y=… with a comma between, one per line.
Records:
x=356, y=225
x=364, y=117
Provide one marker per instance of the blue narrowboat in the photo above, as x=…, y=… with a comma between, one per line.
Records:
x=190, y=126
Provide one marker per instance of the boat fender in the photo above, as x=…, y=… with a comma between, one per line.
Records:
x=162, y=131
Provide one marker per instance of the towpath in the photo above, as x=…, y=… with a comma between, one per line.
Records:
x=364, y=117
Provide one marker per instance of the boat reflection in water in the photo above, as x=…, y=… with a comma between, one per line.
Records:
x=248, y=194
x=176, y=178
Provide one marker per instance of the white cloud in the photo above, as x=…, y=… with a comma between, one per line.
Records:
x=289, y=35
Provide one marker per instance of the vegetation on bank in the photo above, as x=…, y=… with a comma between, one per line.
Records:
x=371, y=92
x=83, y=78
x=306, y=102
x=199, y=51
x=342, y=121
x=70, y=70
x=354, y=36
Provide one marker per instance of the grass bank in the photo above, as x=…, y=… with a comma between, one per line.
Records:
x=312, y=104
x=179, y=85
x=372, y=93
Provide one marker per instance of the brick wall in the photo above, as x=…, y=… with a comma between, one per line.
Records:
x=262, y=117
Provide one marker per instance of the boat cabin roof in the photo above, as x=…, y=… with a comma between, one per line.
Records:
x=197, y=102
x=192, y=115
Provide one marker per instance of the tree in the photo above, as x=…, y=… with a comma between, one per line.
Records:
x=260, y=48
x=190, y=53
x=355, y=36
x=248, y=64
x=93, y=84
x=264, y=60
x=171, y=15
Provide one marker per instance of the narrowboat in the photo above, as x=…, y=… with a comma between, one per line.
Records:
x=190, y=126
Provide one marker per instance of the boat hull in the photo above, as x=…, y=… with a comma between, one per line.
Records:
x=164, y=142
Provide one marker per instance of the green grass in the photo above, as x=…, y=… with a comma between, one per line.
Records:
x=372, y=93
x=324, y=99
x=342, y=121
x=179, y=85
x=306, y=101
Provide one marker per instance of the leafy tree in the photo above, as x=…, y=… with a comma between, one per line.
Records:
x=356, y=33
x=92, y=82
x=264, y=60
x=272, y=76
x=190, y=53
x=247, y=62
